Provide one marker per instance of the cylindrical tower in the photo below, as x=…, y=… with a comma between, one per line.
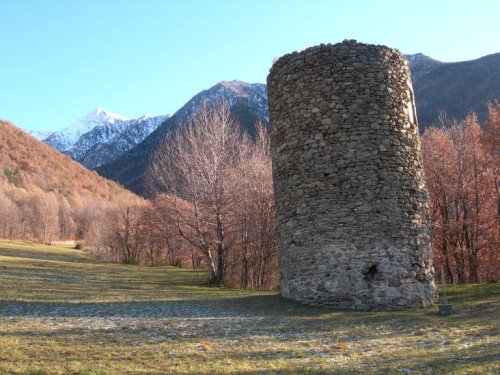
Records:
x=353, y=222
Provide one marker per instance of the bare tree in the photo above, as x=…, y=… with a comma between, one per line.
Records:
x=459, y=170
x=195, y=164
x=159, y=230
x=255, y=222
x=9, y=217
x=118, y=238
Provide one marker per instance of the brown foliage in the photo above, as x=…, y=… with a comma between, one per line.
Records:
x=143, y=233
x=221, y=193
x=214, y=204
x=462, y=180
x=255, y=263
x=44, y=195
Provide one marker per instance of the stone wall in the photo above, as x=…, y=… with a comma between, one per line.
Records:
x=352, y=215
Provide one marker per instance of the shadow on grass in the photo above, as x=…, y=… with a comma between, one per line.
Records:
x=46, y=256
x=254, y=306
x=272, y=305
x=219, y=304
x=467, y=293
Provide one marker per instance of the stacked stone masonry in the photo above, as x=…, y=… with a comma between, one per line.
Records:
x=352, y=214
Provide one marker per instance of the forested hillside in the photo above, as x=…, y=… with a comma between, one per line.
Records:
x=46, y=195
x=454, y=88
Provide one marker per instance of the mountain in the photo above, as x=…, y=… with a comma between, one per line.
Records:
x=421, y=64
x=119, y=148
x=63, y=140
x=102, y=136
x=455, y=88
x=248, y=103
x=47, y=195
x=38, y=134
x=26, y=163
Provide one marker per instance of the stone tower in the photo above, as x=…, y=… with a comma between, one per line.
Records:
x=351, y=203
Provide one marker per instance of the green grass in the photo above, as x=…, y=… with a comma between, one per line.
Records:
x=63, y=313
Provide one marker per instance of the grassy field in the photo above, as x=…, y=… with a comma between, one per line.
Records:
x=63, y=313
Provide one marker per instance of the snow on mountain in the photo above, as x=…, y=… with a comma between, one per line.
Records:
x=247, y=102
x=108, y=141
x=235, y=93
x=102, y=136
x=421, y=65
x=38, y=134
x=64, y=139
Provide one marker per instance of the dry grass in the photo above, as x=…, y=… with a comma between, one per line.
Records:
x=63, y=313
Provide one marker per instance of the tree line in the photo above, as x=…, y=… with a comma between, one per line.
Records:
x=46, y=196
x=462, y=169
x=213, y=204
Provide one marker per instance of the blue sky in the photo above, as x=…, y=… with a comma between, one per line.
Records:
x=61, y=59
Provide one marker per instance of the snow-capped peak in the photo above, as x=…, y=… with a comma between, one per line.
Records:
x=103, y=113
x=64, y=139
x=253, y=95
x=237, y=86
x=102, y=135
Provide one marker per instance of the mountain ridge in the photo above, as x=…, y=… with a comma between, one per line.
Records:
x=437, y=86
x=45, y=195
x=247, y=101
x=39, y=135
x=102, y=136
x=456, y=88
